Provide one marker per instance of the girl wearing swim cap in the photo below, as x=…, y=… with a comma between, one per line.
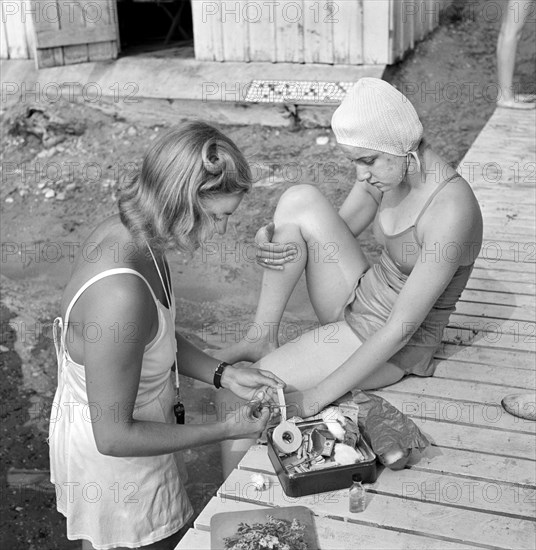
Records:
x=379, y=322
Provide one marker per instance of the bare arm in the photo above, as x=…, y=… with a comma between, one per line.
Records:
x=244, y=382
x=113, y=369
x=360, y=207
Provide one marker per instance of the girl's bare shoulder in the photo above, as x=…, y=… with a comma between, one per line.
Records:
x=107, y=248
x=454, y=214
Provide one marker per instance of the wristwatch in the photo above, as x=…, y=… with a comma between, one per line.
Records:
x=218, y=373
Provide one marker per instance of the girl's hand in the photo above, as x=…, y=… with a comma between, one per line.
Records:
x=273, y=255
x=248, y=422
x=247, y=382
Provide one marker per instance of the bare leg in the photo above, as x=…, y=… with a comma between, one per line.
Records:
x=302, y=364
x=328, y=253
x=514, y=19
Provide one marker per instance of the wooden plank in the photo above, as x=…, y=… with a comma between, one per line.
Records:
x=289, y=32
x=315, y=48
x=101, y=51
x=519, y=473
x=491, y=285
x=114, y=20
x=506, y=207
x=506, y=375
x=522, y=230
x=450, y=490
x=520, y=225
x=72, y=31
x=499, y=312
x=346, y=20
x=448, y=523
x=505, y=198
x=4, y=51
x=522, y=250
x=432, y=15
x=494, y=329
x=409, y=25
x=208, y=39
x=28, y=24
x=489, y=262
x=507, y=191
x=459, y=462
x=396, y=24
x=421, y=21
x=234, y=32
x=194, y=540
x=518, y=301
x=478, y=439
x=486, y=340
x=336, y=535
x=485, y=356
x=515, y=245
x=514, y=217
x=497, y=274
x=462, y=392
x=63, y=31
x=15, y=31
x=376, y=18
x=320, y=23
x=75, y=36
x=503, y=202
x=500, y=233
x=527, y=303
x=457, y=410
x=47, y=19
x=510, y=193
x=261, y=22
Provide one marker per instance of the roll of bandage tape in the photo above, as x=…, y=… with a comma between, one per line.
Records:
x=287, y=437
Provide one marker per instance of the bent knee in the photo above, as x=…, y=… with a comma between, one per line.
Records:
x=300, y=198
x=301, y=195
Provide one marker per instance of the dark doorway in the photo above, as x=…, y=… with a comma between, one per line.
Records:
x=161, y=28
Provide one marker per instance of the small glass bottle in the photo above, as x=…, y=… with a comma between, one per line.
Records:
x=357, y=495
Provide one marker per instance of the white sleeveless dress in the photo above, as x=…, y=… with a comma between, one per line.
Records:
x=116, y=501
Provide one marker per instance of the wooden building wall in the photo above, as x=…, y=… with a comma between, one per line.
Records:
x=354, y=32
x=59, y=32
x=411, y=21
x=16, y=30
x=311, y=31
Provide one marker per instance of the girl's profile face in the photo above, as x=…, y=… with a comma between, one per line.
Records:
x=381, y=170
x=220, y=208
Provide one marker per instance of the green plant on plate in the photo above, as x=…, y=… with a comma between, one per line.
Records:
x=275, y=534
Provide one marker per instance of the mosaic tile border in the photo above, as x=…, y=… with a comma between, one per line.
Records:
x=297, y=91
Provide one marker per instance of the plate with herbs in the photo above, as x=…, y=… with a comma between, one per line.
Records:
x=287, y=528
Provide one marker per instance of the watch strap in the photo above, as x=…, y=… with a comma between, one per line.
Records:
x=218, y=374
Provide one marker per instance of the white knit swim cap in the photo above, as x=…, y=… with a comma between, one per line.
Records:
x=375, y=115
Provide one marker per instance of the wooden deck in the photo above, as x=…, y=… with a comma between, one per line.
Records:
x=476, y=486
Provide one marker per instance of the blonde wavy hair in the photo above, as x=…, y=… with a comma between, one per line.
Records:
x=164, y=203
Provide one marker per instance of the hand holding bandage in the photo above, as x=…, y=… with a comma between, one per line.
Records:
x=286, y=437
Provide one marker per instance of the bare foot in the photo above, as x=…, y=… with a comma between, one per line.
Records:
x=526, y=98
x=519, y=102
x=522, y=405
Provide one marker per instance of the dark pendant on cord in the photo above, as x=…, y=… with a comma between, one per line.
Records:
x=180, y=412
x=178, y=409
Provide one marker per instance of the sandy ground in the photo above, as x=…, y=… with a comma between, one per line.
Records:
x=450, y=80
